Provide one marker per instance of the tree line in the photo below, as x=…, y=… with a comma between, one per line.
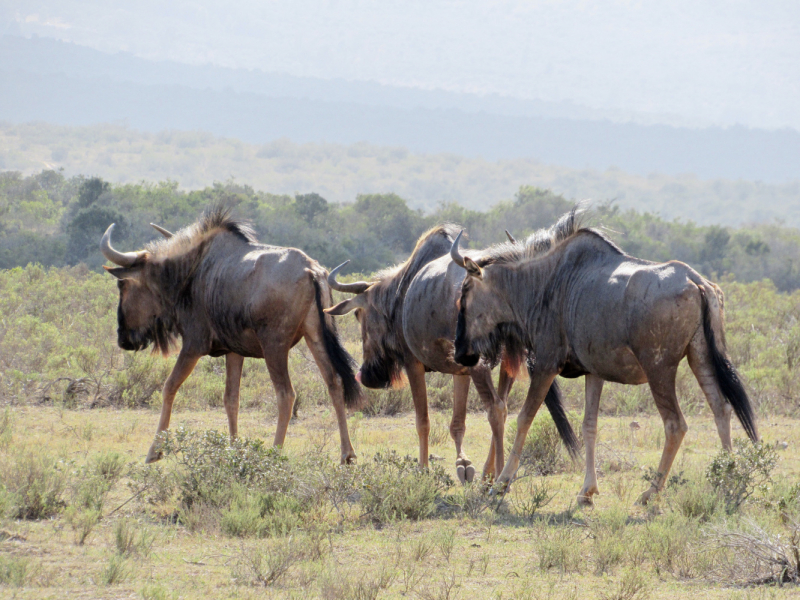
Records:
x=55, y=220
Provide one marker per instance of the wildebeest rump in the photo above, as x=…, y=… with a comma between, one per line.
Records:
x=581, y=306
x=408, y=316
x=215, y=287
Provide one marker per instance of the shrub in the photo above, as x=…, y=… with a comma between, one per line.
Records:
x=560, y=549
x=115, y=571
x=32, y=484
x=130, y=539
x=16, y=571
x=82, y=521
x=267, y=565
x=542, y=453
x=396, y=487
x=757, y=556
x=262, y=515
x=737, y=475
x=530, y=501
x=210, y=467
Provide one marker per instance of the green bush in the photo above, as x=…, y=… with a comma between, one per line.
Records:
x=32, y=485
x=737, y=475
x=396, y=488
x=262, y=515
x=210, y=468
x=542, y=453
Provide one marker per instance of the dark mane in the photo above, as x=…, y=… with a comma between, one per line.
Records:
x=432, y=244
x=543, y=241
x=214, y=219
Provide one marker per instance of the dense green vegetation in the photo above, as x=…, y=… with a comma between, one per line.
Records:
x=58, y=345
x=55, y=220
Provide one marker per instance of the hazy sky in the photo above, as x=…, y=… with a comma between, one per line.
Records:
x=719, y=62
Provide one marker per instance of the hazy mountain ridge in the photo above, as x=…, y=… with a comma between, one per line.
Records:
x=60, y=83
x=709, y=61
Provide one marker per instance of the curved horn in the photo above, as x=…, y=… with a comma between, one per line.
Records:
x=455, y=254
x=123, y=259
x=359, y=287
x=168, y=234
x=510, y=237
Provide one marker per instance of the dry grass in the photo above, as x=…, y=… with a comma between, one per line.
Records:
x=524, y=549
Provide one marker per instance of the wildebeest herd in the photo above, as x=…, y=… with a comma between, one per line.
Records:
x=567, y=301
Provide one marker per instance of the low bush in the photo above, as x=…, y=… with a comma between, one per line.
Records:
x=17, y=571
x=33, y=485
x=262, y=515
x=737, y=475
x=395, y=488
x=543, y=452
x=209, y=467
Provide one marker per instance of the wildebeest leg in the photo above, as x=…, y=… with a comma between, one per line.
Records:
x=277, y=359
x=662, y=385
x=494, y=464
x=594, y=387
x=496, y=414
x=182, y=369
x=233, y=377
x=336, y=391
x=458, y=427
x=703, y=369
x=540, y=384
x=419, y=392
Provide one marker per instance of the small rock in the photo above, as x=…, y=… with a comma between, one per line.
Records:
x=635, y=425
x=782, y=445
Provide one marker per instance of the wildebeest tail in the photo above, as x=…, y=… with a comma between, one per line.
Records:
x=342, y=362
x=725, y=373
x=555, y=405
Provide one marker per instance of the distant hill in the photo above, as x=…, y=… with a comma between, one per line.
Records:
x=62, y=83
x=341, y=172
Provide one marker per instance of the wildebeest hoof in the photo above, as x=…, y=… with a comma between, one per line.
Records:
x=500, y=488
x=470, y=473
x=461, y=473
x=585, y=496
x=153, y=455
x=645, y=497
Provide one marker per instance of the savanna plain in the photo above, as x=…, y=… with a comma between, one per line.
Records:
x=84, y=517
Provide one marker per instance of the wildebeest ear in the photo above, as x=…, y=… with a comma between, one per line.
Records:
x=346, y=306
x=473, y=270
x=118, y=272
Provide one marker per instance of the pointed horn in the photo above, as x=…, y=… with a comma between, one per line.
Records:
x=123, y=259
x=168, y=234
x=511, y=237
x=455, y=254
x=359, y=287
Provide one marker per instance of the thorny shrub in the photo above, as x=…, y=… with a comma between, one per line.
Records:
x=737, y=475
x=397, y=487
x=211, y=466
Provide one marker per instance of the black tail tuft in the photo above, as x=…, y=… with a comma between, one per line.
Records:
x=727, y=378
x=342, y=362
x=555, y=405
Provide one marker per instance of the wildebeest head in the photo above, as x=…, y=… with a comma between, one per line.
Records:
x=141, y=314
x=383, y=358
x=485, y=326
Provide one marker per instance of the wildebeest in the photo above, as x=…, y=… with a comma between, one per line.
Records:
x=408, y=317
x=215, y=287
x=581, y=306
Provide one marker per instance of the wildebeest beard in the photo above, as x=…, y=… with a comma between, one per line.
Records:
x=506, y=340
x=159, y=332
x=383, y=370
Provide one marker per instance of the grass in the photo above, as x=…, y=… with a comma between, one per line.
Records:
x=533, y=544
